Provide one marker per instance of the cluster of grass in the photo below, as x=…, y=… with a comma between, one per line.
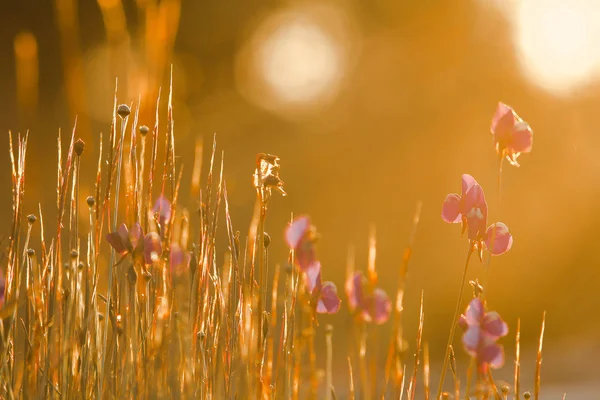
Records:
x=172, y=322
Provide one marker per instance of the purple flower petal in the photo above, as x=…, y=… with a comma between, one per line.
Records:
x=296, y=231
x=451, y=209
x=382, y=306
x=462, y=322
x=119, y=240
x=467, y=182
x=162, y=207
x=178, y=259
x=313, y=276
x=475, y=211
x=305, y=255
x=471, y=339
x=522, y=138
x=354, y=290
x=493, y=354
x=475, y=311
x=152, y=247
x=329, y=302
x=502, y=123
x=135, y=234
x=493, y=325
x=498, y=239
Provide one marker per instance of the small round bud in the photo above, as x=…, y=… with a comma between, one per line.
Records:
x=144, y=130
x=31, y=218
x=90, y=201
x=266, y=239
x=328, y=329
x=445, y=396
x=123, y=110
x=119, y=324
x=100, y=317
x=79, y=146
x=505, y=390
x=526, y=395
x=74, y=253
x=30, y=252
x=201, y=335
x=80, y=266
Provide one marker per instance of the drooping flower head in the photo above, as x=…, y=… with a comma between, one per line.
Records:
x=324, y=294
x=370, y=304
x=134, y=242
x=512, y=136
x=470, y=209
x=482, y=331
x=301, y=236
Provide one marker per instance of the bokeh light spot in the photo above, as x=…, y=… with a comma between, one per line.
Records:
x=296, y=59
x=300, y=61
x=558, y=42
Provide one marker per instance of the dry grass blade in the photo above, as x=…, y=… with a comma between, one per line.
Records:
x=412, y=388
x=426, y=370
x=397, y=338
x=517, y=373
x=538, y=363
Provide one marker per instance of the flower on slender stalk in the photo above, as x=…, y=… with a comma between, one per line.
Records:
x=512, y=136
x=371, y=304
x=162, y=211
x=470, y=209
x=179, y=259
x=301, y=236
x=324, y=294
x=133, y=242
x=482, y=331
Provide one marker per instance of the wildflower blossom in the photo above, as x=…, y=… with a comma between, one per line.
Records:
x=512, y=136
x=482, y=331
x=323, y=293
x=301, y=236
x=371, y=304
x=179, y=259
x=134, y=242
x=162, y=209
x=470, y=209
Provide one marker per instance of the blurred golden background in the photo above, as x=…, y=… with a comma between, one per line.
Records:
x=372, y=106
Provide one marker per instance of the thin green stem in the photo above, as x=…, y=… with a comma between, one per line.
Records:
x=454, y=322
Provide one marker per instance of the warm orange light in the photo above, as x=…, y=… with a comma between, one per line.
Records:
x=26, y=56
x=296, y=59
x=558, y=41
x=300, y=61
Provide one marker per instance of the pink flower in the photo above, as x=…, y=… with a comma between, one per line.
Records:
x=470, y=209
x=512, y=135
x=324, y=294
x=179, y=259
x=482, y=331
x=371, y=304
x=300, y=235
x=135, y=243
x=162, y=209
